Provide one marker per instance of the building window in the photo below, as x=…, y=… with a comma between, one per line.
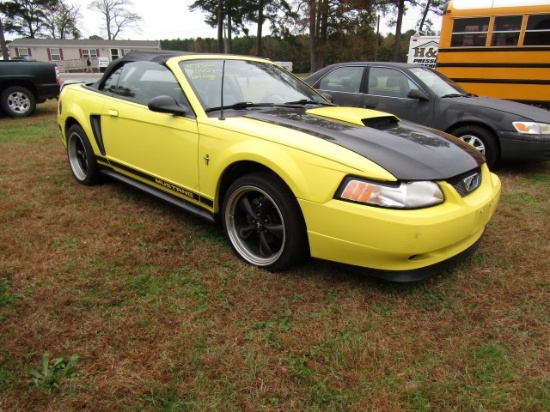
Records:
x=91, y=53
x=470, y=32
x=23, y=52
x=55, y=55
x=115, y=54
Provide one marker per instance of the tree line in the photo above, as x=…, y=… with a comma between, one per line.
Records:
x=310, y=33
x=295, y=48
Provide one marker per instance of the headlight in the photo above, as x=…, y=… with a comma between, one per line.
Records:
x=411, y=195
x=532, y=127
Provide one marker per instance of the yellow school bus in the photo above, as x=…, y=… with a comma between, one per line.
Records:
x=498, y=48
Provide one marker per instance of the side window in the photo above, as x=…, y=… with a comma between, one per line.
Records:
x=389, y=82
x=470, y=32
x=538, y=30
x=142, y=81
x=506, y=31
x=111, y=82
x=343, y=79
x=157, y=80
x=119, y=81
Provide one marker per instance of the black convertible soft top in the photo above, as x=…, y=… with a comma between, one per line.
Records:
x=156, y=56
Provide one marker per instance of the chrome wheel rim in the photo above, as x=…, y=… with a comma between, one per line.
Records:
x=255, y=225
x=475, y=142
x=19, y=102
x=78, y=158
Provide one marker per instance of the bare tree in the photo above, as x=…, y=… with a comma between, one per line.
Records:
x=61, y=22
x=117, y=16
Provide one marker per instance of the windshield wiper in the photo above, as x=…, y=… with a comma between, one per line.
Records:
x=454, y=95
x=238, y=106
x=303, y=102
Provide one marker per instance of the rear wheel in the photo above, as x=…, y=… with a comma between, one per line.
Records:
x=480, y=139
x=263, y=222
x=17, y=101
x=81, y=157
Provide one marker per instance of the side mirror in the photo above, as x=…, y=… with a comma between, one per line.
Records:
x=167, y=104
x=418, y=94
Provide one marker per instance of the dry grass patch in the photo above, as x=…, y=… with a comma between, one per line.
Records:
x=163, y=316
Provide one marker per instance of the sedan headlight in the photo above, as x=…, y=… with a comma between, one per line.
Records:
x=410, y=195
x=532, y=127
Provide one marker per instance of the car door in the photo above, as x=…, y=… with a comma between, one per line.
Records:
x=387, y=90
x=344, y=85
x=156, y=148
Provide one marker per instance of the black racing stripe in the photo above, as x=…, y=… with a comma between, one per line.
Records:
x=299, y=120
x=175, y=190
x=407, y=151
x=103, y=160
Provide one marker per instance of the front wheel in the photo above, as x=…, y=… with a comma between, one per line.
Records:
x=81, y=157
x=264, y=223
x=480, y=139
x=17, y=101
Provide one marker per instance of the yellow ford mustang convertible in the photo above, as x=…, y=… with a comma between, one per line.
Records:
x=240, y=141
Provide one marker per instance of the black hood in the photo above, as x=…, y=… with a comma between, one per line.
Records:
x=406, y=150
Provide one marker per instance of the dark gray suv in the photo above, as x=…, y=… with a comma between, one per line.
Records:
x=498, y=129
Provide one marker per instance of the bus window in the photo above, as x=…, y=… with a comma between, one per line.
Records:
x=506, y=31
x=470, y=32
x=538, y=30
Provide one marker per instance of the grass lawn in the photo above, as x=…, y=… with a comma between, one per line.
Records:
x=160, y=315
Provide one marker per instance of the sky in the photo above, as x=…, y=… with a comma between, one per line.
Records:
x=162, y=19
x=171, y=19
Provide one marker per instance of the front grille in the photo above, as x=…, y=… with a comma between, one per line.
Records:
x=466, y=183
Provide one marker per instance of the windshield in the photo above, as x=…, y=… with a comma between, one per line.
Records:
x=250, y=82
x=439, y=84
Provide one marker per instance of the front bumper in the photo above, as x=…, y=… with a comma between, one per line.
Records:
x=415, y=275
x=401, y=240
x=522, y=147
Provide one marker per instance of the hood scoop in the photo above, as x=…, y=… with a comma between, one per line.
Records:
x=357, y=116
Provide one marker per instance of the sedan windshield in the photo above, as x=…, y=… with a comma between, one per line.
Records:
x=439, y=84
x=245, y=84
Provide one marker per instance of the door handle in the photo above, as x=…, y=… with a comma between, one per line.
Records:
x=113, y=113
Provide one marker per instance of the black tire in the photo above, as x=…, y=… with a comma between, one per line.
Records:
x=17, y=101
x=81, y=157
x=480, y=139
x=264, y=223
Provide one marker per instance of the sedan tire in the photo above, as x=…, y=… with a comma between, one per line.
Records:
x=480, y=139
x=81, y=157
x=263, y=222
x=17, y=101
